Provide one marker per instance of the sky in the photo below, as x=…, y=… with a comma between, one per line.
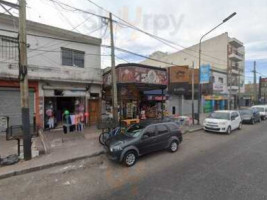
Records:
x=180, y=21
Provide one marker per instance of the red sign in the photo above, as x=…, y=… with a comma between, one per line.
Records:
x=156, y=98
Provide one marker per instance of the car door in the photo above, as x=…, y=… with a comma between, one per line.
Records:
x=147, y=142
x=236, y=120
x=233, y=121
x=163, y=135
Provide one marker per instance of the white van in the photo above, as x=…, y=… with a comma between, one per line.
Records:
x=262, y=109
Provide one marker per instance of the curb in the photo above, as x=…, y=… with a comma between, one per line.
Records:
x=49, y=165
x=195, y=130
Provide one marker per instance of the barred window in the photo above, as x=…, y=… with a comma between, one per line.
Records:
x=9, y=48
x=72, y=57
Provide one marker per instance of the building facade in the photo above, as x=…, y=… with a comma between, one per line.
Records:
x=141, y=91
x=226, y=58
x=64, y=70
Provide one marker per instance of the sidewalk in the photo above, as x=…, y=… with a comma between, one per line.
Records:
x=63, y=148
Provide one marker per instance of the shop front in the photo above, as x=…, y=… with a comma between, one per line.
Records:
x=214, y=102
x=141, y=91
x=74, y=101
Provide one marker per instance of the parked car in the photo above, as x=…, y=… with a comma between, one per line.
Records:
x=263, y=111
x=250, y=115
x=143, y=138
x=224, y=121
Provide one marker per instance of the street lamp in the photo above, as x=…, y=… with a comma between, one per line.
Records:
x=199, y=86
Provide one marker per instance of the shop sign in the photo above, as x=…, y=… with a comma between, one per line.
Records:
x=218, y=87
x=156, y=98
x=214, y=97
x=133, y=74
x=178, y=88
x=205, y=71
x=179, y=74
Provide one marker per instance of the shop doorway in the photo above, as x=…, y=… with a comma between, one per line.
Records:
x=55, y=107
x=93, y=110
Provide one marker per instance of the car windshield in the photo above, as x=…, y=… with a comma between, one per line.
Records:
x=220, y=115
x=134, y=130
x=245, y=112
x=260, y=109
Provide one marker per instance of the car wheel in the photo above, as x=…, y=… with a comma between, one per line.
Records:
x=229, y=130
x=240, y=126
x=130, y=158
x=174, y=146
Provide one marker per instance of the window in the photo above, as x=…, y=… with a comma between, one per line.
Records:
x=150, y=131
x=220, y=80
x=162, y=129
x=72, y=57
x=173, y=127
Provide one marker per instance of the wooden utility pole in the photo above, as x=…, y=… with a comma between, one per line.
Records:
x=24, y=90
x=113, y=72
x=255, y=83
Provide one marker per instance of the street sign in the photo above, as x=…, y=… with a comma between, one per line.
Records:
x=205, y=71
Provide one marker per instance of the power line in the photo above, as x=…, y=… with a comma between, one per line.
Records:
x=77, y=9
x=166, y=42
x=163, y=40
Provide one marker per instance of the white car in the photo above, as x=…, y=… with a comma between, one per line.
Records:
x=263, y=111
x=224, y=121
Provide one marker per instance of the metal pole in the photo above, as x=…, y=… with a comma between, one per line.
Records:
x=162, y=112
x=260, y=86
x=239, y=89
x=199, y=84
x=193, y=91
x=24, y=90
x=230, y=90
x=255, y=84
x=114, y=75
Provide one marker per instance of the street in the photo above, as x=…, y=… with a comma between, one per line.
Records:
x=207, y=166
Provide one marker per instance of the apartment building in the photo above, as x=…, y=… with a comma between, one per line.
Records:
x=225, y=56
x=64, y=70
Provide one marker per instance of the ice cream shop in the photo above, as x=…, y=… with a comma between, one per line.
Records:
x=141, y=91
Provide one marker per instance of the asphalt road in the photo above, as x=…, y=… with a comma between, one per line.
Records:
x=207, y=166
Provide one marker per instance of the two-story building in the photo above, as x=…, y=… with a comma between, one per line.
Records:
x=64, y=70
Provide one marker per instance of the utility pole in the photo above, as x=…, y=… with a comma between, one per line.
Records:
x=193, y=90
x=260, y=85
x=239, y=88
x=230, y=90
x=24, y=90
x=113, y=72
x=255, y=83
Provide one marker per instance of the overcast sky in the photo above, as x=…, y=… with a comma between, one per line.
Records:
x=180, y=21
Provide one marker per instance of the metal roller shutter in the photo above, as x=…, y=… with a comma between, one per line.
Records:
x=10, y=105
